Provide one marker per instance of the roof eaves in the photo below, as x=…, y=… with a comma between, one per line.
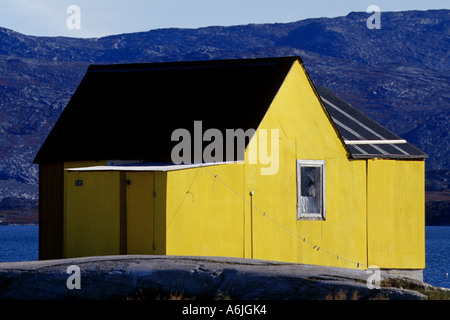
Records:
x=381, y=156
x=333, y=124
x=189, y=64
x=385, y=142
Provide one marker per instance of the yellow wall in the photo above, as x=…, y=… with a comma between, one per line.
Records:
x=208, y=217
x=343, y=231
x=396, y=228
x=203, y=218
x=91, y=214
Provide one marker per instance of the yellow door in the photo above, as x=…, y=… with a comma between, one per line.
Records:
x=140, y=212
x=92, y=214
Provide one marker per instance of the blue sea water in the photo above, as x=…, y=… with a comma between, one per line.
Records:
x=437, y=256
x=20, y=243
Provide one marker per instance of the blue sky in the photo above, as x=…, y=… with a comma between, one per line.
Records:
x=105, y=17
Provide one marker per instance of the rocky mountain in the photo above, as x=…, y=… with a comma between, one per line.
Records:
x=399, y=75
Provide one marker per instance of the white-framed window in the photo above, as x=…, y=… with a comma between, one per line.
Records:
x=311, y=189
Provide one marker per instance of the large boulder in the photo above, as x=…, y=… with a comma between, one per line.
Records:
x=142, y=276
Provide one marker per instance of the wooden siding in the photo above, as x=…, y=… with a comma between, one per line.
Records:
x=51, y=210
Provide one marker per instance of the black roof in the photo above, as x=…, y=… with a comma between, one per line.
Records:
x=363, y=137
x=129, y=111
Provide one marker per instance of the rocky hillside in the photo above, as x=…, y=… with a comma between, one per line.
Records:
x=399, y=75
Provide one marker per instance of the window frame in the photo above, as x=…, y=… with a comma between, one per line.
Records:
x=317, y=215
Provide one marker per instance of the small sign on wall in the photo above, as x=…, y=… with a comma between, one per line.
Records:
x=78, y=183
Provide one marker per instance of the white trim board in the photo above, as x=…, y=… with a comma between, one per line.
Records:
x=171, y=167
x=351, y=142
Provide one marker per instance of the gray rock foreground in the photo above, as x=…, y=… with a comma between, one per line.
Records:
x=118, y=277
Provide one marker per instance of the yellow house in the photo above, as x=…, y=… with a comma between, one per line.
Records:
x=239, y=158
